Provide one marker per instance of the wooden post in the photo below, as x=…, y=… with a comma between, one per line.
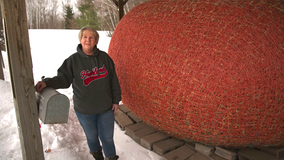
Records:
x=1, y=66
x=120, y=9
x=120, y=4
x=20, y=64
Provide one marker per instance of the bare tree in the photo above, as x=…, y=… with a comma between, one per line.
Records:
x=108, y=12
x=46, y=14
x=43, y=14
x=2, y=37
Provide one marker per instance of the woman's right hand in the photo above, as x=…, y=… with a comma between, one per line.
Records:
x=39, y=86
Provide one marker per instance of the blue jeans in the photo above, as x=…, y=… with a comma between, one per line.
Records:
x=99, y=127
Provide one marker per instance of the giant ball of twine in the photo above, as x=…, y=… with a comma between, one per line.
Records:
x=207, y=71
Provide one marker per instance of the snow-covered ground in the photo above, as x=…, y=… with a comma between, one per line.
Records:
x=66, y=141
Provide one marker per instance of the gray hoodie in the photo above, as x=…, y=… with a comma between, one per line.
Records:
x=93, y=78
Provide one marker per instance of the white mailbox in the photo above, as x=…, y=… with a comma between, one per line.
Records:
x=53, y=107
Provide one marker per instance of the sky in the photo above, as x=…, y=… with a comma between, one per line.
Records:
x=66, y=141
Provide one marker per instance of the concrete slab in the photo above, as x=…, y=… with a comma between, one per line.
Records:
x=118, y=112
x=123, y=120
x=199, y=156
x=254, y=154
x=229, y=154
x=276, y=151
x=123, y=108
x=134, y=117
x=180, y=153
x=191, y=145
x=166, y=146
x=149, y=140
x=143, y=132
x=206, y=150
x=216, y=157
x=129, y=130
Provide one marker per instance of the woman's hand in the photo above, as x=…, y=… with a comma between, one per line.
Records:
x=39, y=86
x=115, y=107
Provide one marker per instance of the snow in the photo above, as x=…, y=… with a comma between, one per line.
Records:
x=66, y=141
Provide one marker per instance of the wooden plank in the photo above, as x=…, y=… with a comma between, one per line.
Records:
x=1, y=66
x=20, y=64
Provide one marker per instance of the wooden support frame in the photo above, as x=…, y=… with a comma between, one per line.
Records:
x=1, y=66
x=120, y=4
x=20, y=64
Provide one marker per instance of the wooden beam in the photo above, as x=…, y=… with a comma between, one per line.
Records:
x=120, y=4
x=20, y=64
x=120, y=9
x=1, y=66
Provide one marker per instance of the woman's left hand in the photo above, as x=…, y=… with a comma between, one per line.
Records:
x=115, y=107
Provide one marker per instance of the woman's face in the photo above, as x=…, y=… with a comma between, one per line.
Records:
x=88, y=41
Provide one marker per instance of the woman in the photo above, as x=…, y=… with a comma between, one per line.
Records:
x=96, y=92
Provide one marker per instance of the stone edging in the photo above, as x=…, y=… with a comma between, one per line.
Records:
x=171, y=148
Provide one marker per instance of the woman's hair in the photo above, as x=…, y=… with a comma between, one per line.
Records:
x=89, y=29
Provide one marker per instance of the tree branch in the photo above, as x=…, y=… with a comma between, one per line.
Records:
x=115, y=2
x=124, y=2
